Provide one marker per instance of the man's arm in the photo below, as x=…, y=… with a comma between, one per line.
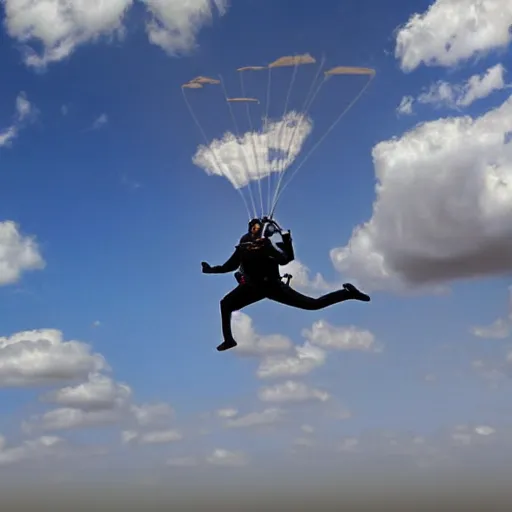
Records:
x=285, y=254
x=229, y=266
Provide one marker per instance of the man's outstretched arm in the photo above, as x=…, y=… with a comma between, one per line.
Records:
x=284, y=253
x=229, y=266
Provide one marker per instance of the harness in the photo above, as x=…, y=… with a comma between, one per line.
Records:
x=270, y=228
x=242, y=279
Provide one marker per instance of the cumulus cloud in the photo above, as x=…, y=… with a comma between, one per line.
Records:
x=255, y=155
x=453, y=31
x=227, y=413
x=98, y=393
x=174, y=24
x=291, y=391
x=304, y=360
x=302, y=278
x=32, y=449
x=257, y=419
x=443, y=209
x=25, y=111
x=68, y=418
x=221, y=457
x=43, y=357
x=59, y=28
x=457, y=96
x=152, y=414
x=250, y=343
x=18, y=253
x=152, y=437
x=331, y=337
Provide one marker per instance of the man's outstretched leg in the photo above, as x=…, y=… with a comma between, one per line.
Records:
x=240, y=297
x=286, y=295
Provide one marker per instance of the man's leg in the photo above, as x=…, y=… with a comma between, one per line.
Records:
x=286, y=295
x=238, y=298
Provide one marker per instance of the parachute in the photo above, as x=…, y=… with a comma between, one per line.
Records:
x=257, y=134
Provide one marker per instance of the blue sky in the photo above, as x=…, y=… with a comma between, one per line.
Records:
x=122, y=219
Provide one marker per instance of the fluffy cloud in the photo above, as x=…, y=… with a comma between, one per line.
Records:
x=68, y=418
x=291, y=391
x=456, y=96
x=303, y=280
x=152, y=414
x=42, y=357
x=37, y=448
x=255, y=155
x=25, y=111
x=256, y=419
x=221, y=457
x=305, y=359
x=443, y=209
x=98, y=393
x=452, y=31
x=18, y=253
x=174, y=24
x=227, y=413
x=152, y=437
x=341, y=338
x=59, y=28
x=252, y=344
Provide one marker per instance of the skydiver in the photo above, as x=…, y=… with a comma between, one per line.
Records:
x=258, y=261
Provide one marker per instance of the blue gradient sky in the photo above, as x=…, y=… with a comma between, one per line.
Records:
x=123, y=218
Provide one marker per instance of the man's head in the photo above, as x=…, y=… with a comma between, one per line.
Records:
x=255, y=227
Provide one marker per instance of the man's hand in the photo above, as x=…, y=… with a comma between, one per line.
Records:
x=206, y=267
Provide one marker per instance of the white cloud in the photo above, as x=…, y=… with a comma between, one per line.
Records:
x=291, y=391
x=25, y=111
x=221, y=457
x=42, y=357
x=306, y=358
x=328, y=336
x=98, y=393
x=227, y=413
x=255, y=155
x=405, y=107
x=453, y=31
x=18, y=254
x=31, y=449
x=152, y=414
x=174, y=24
x=99, y=122
x=457, y=96
x=302, y=280
x=152, y=437
x=68, y=418
x=59, y=28
x=443, y=208
x=257, y=419
x=252, y=344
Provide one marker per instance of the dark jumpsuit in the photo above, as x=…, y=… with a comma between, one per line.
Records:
x=260, y=269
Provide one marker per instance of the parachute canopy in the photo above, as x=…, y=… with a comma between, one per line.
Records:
x=273, y=115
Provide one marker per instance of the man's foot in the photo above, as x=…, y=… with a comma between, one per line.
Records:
x=355, y=293
x=226, y=345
